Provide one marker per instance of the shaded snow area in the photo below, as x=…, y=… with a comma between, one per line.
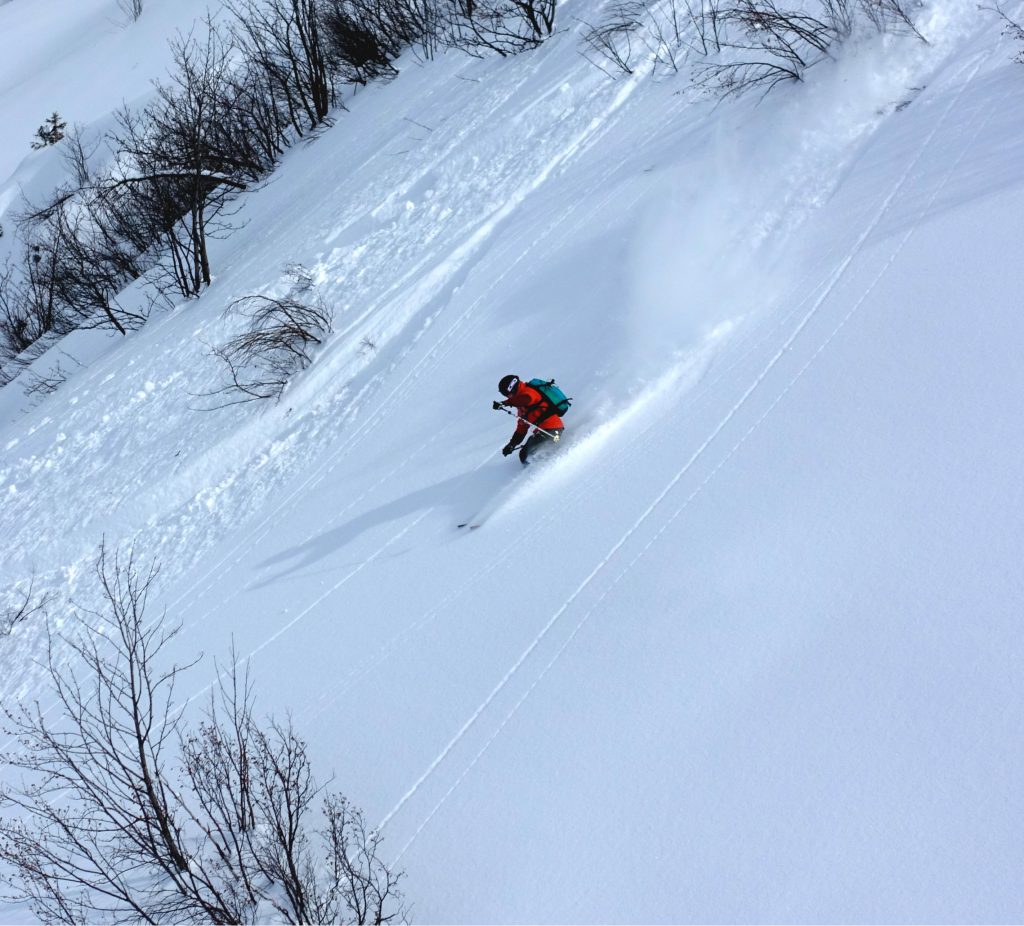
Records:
x=748, y=646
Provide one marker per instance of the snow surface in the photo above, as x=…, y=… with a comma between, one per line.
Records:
x=749, y=646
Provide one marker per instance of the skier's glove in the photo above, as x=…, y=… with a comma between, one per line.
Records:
x=496, y=406
x=507, y=449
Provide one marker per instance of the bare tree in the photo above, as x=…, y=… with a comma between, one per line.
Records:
x=101, y=829
x=27, y=604
x=131, y=8
x=177, y=159
x=1011, y=28
x=80, y=262
x=282, y=38
x=506, y=27
x=363, y=38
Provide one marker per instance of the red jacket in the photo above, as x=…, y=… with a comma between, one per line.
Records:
x=533, y=409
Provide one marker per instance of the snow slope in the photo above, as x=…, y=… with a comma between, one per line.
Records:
x=82, y=60
x=748, y=648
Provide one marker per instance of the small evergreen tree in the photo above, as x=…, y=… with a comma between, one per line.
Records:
x=50, y=132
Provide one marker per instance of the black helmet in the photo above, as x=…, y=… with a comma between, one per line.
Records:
x=508, y=383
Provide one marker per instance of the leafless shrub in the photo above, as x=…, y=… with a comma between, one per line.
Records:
x=360, y=40
x=613, y=39
x=104, y=829
x=276, y=342
x=27, y=604
x=705, y=21
x=506, y=27
x=131, y=8
x=16, y=329
x=78, y=154
x=80, y=262
x=666, y=36
x=738, y=45
x=769, y=44
x=363, y=38
x=663, y=33
x=43, y=384
x=759, y=43
x=1011, y=28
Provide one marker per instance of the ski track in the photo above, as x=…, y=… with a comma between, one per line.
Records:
x=756, y=337
x=205, y=585
x=448, y=341
x=693, y=495
x=838, y=273
x=445, y=344
x=581, y=488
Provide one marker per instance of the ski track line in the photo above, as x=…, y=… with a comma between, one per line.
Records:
x=329, y=464
x=323, y=469
x=406, y=461
x=756, y=336
x=510, y=673
x=442, y=606
x=696, y=492
x=330, y=591
x=447, y=342
x=581, y=488
x=837, y=275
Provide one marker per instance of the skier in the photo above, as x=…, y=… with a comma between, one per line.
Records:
x=533, y=409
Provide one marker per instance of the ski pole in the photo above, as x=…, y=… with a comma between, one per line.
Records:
x=554, y=435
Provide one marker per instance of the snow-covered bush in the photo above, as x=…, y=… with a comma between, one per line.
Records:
x=130, y=812
x=276, y=342
x=613, y=42
x=736, y=45
x=760, y=43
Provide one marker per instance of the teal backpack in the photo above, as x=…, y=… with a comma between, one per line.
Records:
x=555, y=399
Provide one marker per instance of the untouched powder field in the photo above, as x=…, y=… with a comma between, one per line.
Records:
x=749, y=646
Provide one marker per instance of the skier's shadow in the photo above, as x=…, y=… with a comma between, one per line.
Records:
x=463, y=494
